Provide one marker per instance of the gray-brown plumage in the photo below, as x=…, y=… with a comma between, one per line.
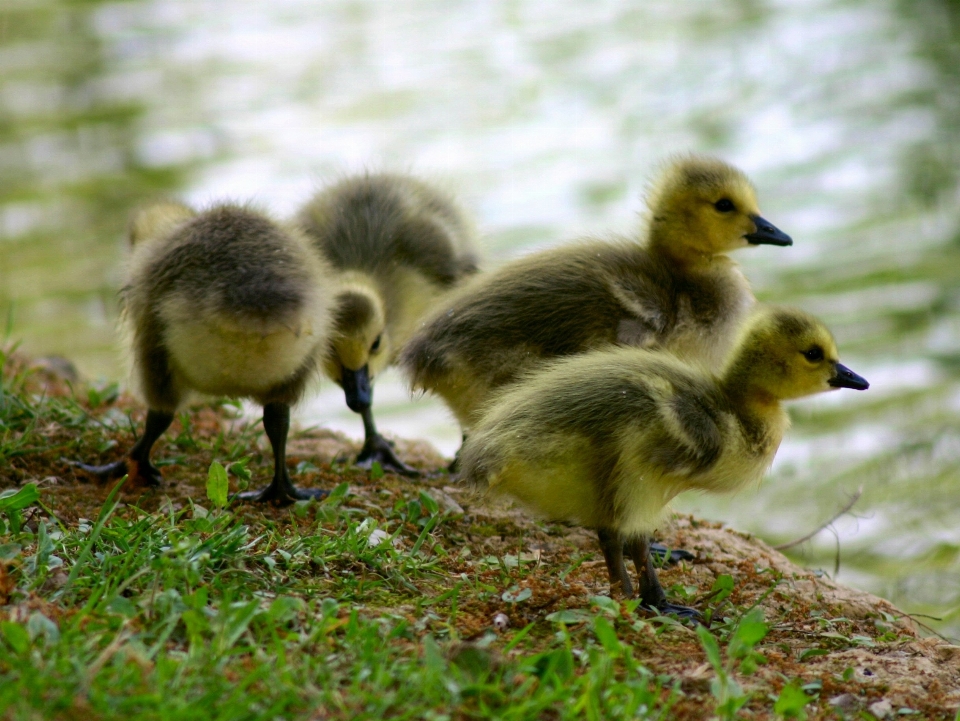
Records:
x=397, y=244
x=676, y=290
x=225, y=303
x=607, y=438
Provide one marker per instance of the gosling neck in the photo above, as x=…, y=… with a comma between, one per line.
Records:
x=759, y=412
x=665, y=241
x=745, y=389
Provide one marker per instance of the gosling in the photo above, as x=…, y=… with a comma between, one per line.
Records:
x=606, y=439
x=226, y=303
x=676, y=290
x=397, y=244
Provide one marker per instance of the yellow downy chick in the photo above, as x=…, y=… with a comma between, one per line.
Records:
x=606, y=439
x=397, y=244
x=226, y=303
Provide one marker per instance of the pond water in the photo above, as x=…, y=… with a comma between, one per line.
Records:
x=547, y=119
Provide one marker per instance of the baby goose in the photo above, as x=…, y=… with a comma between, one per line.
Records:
x=608, y=438
x=397, y=244
x=677, y=290
x=227, y=303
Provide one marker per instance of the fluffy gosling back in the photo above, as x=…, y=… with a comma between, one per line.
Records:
x=375, y=222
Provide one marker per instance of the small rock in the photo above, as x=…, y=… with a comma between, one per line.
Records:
x=377, y=537
x=698, y=680
x=845, y=702
x=57, y=367
x=501, y=622
x=57, y=580
x=445, y=501
x=881, y=709
x=949, y=654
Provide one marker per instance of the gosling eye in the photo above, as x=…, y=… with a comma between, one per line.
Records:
x=814, y=355
x=725, y=205
x=376, y=345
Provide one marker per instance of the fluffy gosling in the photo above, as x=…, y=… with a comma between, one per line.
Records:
x=397, y=244
x=226, y=303
x=606, y=439
x=676, y=290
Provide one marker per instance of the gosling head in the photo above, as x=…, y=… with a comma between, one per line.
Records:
x=786, y=353
x=701, y=206
x=360, y=348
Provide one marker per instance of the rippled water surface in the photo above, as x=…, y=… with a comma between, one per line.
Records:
x=547, y=119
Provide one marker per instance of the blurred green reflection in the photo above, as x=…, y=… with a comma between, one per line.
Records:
x=69, y=173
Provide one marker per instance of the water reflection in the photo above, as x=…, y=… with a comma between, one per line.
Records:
x=890, y=287
x=844, y=111
x=71, y=167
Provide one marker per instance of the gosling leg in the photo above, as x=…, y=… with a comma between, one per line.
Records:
x=611, y=543
x=276, y=423
x=377, y=448
x=651, y=592
x=137, y=463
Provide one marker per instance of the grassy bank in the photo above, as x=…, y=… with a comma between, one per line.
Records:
x=391, y=599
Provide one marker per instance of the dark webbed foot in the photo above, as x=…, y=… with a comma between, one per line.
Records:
x=665, y=556
x=141, y=473
x=652, y=596
x=137, y=464
x=673, y=609
x=377, y=448
x=281, y=495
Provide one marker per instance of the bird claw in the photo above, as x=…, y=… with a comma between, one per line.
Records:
x=673, y=609
x=663, y=556
x=282, y=496
x=379, y=450
x=141, y=474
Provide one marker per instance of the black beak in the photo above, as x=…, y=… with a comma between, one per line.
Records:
x=767, y=233
x=846, y=378
x=356, y=387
